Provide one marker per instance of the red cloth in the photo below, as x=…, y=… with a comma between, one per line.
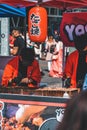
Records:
x=11, y=41
x=11, y=71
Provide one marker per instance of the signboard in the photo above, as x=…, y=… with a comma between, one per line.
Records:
x=32, y=112
x=73, y=23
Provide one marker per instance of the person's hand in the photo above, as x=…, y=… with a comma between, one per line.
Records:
x=25, y=80
x=80, y=83
x=37, y=121
x=55, y=53
x=15, y=80
x=67, y=82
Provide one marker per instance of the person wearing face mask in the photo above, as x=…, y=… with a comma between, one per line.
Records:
x=22, y=70
x=76, y=64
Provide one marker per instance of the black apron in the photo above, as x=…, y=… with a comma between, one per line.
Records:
x=81, y=69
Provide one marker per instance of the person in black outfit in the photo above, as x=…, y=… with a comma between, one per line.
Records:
x=76, y=64
x=19, y=42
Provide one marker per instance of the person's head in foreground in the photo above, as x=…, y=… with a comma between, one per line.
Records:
x=75, y=115
x=80, y=42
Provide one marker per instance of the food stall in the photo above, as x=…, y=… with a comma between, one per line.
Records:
x=44, y=104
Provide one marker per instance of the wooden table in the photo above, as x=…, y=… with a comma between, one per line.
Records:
x=46, y=91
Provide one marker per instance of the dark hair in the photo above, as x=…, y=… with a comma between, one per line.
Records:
x=75, y=115
x=17, y=29
x=27, y=54
x=80, y=41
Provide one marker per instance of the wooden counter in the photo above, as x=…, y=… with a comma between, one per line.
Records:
x=46, y=91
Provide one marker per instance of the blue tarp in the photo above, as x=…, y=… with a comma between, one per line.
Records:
x=9, y=11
